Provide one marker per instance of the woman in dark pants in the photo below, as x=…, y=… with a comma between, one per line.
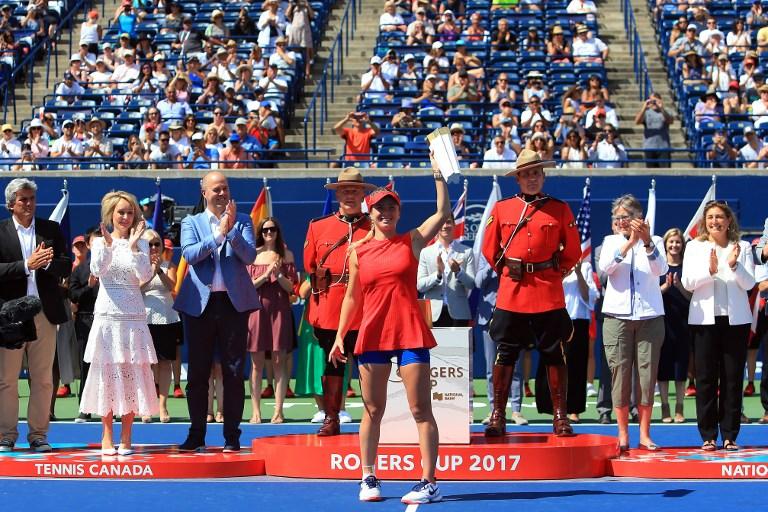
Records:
x=719, y=269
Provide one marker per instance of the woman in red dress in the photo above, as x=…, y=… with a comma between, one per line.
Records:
x=382, y=274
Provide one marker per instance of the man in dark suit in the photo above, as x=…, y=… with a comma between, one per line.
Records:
x=215, y=300
x=83, y=290
x=33, y=258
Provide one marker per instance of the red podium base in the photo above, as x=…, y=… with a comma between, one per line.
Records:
x=693, y=463
x=524, y=456
x=148, y=462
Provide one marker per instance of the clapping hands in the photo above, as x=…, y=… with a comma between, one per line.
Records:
x=136, y=233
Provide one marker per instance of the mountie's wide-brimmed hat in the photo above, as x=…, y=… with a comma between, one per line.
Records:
x=529, y=159
x=350, y=176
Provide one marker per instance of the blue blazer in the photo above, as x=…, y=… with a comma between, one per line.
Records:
x=197, y=245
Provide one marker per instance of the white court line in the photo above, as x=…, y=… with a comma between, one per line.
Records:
x=411, y=508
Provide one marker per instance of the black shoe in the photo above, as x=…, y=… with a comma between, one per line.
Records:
x=605, y=419
x=634, y=418
x=82, y=418
x=6, y=445
x=191, y=446
x=40, y=446
x=231, y=447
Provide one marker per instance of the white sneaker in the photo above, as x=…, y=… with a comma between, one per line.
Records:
x=370, y=489
x=591, y=391
x=319, y=417
x=519, y=419
x=344, y=417
x=422, y=492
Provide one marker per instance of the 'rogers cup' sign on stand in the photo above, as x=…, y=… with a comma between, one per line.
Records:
x=451, y=382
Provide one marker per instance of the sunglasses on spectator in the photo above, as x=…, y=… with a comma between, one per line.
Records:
x=165, y=140
x=155, y=244
x=269, y=229
x=217, y=113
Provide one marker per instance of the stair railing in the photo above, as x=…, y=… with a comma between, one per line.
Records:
x=640, y=66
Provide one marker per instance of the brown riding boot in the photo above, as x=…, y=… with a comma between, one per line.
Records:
x=558, y=388
x=332, y=386
x=502, y=378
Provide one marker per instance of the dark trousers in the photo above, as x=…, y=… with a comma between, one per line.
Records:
x=83, y=323
x=445, y=320
x=576, y=355
x=720, y=352
x=326, y=338
x=764, y=375
x=514, y=332
x=224, y=330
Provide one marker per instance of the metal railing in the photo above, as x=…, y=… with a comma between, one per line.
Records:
x=66, y=25
x=325, y=90
x=636, y=50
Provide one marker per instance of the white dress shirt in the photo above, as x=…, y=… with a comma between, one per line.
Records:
x=633, y=291
x=27, y=242
x=577, y=307
x=217, y=284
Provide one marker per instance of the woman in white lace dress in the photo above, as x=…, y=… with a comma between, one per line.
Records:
x=119, y=347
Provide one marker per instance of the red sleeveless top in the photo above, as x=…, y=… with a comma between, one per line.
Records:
x=392, y=319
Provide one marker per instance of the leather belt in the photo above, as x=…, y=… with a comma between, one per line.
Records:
x=340, y=278
x=530, y=268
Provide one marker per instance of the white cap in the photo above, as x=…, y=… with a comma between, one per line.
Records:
x=241, y=120
x=197, y=136
x=36, y=123
x=375, y=60
x=74, y=57
x=437, y=45
x=408, y=56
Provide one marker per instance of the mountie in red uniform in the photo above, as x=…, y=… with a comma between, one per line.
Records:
x=532, y=242
x=327, y=263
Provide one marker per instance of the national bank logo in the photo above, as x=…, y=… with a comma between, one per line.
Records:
x=472, y=219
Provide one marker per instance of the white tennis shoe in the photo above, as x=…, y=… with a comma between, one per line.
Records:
x=370, y=489
x=423, y=492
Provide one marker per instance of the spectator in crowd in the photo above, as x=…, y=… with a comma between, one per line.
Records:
x=535, y=87
x=505, y=112
x=144, y=50
x=760, y=107
x=244, y=25
x=749, y=71
x=762, y=40
x=390, y=21
x=718, y=268
x=446, y=276
x=437, y=54
x=678, y=30
x=721, y=154
x=10, y=147
x=245, y=84
x=178, y=138
x=502, y=89
x=234, y=156
x=76, y=68
x=475, y=32
x=200, y=156
x=733, y=100
x=716, y=44
x=110, y=59
x=464, y=90
x=390, y=66
x=633, y=328
x=7, y=20
x=655, y=120
x=217, y=32
x=69, y=90
x=686, y=43
x=754, y=152
x=174, y=17
x=271, y=83
x=581, y=7
x=145, y=84
x=67, y=149
x=160, y=71
x=694, y=71
x=707, y=108
x=404, y=117
x=532, y=42
x=248, y=142
x=558, y=48
x=594, y=90
x=738, y=39
x=153, y=118
x=568, y=122
x=499, y=156
x=588, y=48
x=148, y=137
x=418, y=35
x=462, y=148
x=358, y=137
x=164, y=156
x=81, y=132
x=87, y=59
x=126, y=19
x=502, y=38
x=534, y=112
x=284, y=58
x=170, y=108
x=300, y=14
x=30, y=269
x=448, y=30
x=98, y=146
x=542, y=143
x=99, y=80
x=231, y=104
x=607, y=151
x=125, y=74
x=573, y=153
x=601, y=109
x=510, y=135
x=163, y=321
x=673, y=362
x=212, y=93
x=189, y=40
x=270, y=329
x=271, y=24
x=134, y=155
x=38, y=144
x=721, y=74
x=212, y=139
x=712, y=29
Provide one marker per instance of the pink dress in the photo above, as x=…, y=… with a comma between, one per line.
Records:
x=271, y=327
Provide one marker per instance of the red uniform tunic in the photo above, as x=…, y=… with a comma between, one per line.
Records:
x=392, y=318
x=322, y=234
x=552, y=228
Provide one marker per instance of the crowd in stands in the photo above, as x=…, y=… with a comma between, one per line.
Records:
x=534, y=70
x=174, y=84
x=716, y=55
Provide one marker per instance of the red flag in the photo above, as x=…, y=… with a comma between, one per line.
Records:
x=693, y=227
x=458, y=215
x=262, y=208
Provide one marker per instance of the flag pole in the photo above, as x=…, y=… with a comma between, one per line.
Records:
x=65, y=189
x=653, y=183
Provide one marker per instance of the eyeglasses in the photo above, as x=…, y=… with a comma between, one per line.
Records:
x=217, y=113
x=165, y=140
x=608, y=132
x=269, y=229
x=503, y=80
x=621, y=218
x=155, y=244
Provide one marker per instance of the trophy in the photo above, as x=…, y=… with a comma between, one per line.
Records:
x=444, y=152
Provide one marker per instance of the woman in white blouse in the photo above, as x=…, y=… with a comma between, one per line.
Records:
x=719, y=269
x=633, y=329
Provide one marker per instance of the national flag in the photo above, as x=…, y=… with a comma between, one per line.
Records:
x=60, y=214
x=693, y=227
x=651, y=212
x=262, y=208
x=328, y=205
x=158, y=223
x=584, y=221
x=459, y=210
x=477, y=248
x=183, y=268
